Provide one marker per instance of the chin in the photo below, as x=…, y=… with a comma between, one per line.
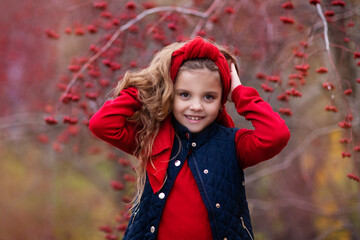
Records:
x=195, y=129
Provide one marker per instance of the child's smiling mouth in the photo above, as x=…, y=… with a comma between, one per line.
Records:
x=194, y=118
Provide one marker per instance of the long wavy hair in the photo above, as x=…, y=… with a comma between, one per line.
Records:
x=156, y=94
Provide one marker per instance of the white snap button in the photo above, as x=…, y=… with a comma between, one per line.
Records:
x=152, y=229
x=217, y=205
x=206, y=171
x=177, y=163
x=161, y=195
x=193, y=144
x=243, y=183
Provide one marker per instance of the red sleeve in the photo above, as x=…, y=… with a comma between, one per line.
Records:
x=110, y=123
x=270, y=135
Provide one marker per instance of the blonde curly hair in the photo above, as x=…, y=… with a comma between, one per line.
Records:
x=156, y=94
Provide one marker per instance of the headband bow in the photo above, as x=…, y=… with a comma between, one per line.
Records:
x=199, y=48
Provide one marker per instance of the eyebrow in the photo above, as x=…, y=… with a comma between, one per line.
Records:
x=180, y=89
x=211, y=93
x=206, y=93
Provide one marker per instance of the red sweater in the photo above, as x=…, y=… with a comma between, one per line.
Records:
x=185, y=215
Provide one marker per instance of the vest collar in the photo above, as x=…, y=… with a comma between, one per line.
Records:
x=198, y=138
x=162, y=147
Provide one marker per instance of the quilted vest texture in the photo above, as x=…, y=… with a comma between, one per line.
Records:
x=220, y=180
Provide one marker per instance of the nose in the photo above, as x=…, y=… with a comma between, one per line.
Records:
x=196, y=105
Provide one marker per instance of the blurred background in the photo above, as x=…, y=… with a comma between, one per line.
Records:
x=61, y=59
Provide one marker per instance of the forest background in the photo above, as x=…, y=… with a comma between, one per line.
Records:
x=61, y=58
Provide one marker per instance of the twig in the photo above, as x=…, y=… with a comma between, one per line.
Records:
x=293, y=155
x=21, y=119
x=158, y=22
x=327, y=47
x=326, y=36
x=286, y=202
x=347, y=14
x=342, y=48
x=232, y=17
x=21, y=124
x=328, y=232
x=206, y=16
x=296, y=152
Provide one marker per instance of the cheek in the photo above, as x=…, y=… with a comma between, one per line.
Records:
x=214, y=108
x=218, y=104
x=177, y=106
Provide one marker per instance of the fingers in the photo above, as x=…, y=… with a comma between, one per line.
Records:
x=234, y=75
x=235, y=80
x=232, y=68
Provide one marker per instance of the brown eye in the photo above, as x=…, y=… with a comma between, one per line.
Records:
x=184, y=95
x=209, y=97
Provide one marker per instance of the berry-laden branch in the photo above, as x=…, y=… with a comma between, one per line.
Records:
x=258, y=43
x=207, y=14
x=132, y=22
x=346, y=124
x=301, y=148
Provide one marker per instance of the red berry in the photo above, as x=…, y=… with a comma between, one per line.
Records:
x=229, y=10
x=353, y=177
x=338, y=3
x=100, y=4
x=329, y=13
x=322, y=70
x=285, y=111
x=348, y=91
x=51, y=120
x=287, y=20
x=314, y=2
x=117, y=185
x=52, y=34
x=288, y=5
x=130, y=5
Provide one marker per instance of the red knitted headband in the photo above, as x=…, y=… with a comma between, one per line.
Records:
x=199, y=48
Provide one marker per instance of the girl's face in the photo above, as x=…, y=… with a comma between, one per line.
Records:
x=197, y=98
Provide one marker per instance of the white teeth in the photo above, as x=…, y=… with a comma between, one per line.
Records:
x=193, y=118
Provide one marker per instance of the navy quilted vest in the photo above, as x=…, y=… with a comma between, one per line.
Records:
x=220, y=179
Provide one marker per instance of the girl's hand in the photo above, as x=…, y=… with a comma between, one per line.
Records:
x=235, y=80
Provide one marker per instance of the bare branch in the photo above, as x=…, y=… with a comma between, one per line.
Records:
x=128, y=25
x=293, y=155
x=21, y=119
x=297, y=151
x=162, y=19
x=326, y=36
x=206, y=16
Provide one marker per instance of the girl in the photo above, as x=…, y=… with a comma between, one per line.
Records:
x=172, y=117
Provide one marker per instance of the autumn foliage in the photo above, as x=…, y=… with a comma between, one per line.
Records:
x=302, y=56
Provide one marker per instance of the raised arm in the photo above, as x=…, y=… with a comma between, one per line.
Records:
x=270, y=135
x=110, y=123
